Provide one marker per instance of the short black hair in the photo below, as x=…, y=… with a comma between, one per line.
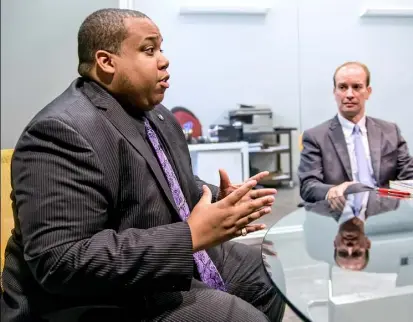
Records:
x=104, y=29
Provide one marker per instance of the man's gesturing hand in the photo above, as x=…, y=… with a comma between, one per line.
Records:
x=214, y=223
x=226, y=187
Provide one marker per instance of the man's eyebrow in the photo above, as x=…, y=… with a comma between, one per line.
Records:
x=345, y=83
x=154, y=38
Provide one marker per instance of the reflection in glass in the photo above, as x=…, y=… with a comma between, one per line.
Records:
x=351, y=244
x=347, y=259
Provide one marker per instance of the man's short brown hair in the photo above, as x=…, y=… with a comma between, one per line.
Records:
x=366, y=69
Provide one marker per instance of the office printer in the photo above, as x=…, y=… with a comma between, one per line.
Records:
x=254, y=118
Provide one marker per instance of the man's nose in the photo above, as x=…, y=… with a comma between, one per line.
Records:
x=350, y=93
x=349, y=243
x=163, y=62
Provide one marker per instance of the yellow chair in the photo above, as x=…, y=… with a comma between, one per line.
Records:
x=7, y=222
x=7, y=225
x=300, y=142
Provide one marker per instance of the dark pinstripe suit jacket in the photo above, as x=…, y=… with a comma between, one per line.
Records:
x=95, y=220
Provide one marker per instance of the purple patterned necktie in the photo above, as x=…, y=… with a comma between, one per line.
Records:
x=206, y=268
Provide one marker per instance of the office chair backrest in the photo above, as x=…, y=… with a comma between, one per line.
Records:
x=184, y=116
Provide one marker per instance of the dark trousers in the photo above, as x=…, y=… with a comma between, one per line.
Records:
x=251, y=296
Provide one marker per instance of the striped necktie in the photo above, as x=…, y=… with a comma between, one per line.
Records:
x=363, y=171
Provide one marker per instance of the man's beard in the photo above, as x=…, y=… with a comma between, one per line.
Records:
x=129, y=96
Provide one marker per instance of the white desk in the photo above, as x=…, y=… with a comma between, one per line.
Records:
x=208, y=158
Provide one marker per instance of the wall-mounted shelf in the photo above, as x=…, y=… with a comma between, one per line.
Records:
x=388, y=12
x=224, y=10
x=126, y=4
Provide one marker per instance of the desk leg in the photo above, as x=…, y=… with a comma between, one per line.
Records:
x=290, y=157
x=245, y=163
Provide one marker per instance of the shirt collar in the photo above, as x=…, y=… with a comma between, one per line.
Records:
x=349, y=126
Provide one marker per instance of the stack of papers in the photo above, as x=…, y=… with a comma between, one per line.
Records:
x=403, y=185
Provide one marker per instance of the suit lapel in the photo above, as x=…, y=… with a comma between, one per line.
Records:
x=374, y=136
x=125, y=124
x=337, y=138
x=170, y=141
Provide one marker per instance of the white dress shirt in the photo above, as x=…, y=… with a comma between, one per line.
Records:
x=348, y=128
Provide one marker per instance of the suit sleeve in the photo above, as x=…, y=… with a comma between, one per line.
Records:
x=310, y=171
x=404, y=159
x=65, y=210
x=214, y=189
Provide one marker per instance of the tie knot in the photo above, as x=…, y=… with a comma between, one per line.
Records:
x=356, y=129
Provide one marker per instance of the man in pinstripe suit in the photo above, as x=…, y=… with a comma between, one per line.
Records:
x=111, y=223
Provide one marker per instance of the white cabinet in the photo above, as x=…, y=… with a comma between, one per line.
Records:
x=208, y=158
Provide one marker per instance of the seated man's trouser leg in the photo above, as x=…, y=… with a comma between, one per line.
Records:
x=250, y=297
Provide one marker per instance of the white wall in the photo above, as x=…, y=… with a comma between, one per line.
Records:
x=38, y=56
x=338, y=34
x=220, y=61
x=286, y=59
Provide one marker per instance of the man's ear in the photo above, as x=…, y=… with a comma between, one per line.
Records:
x=369, y=90
x=104, y=60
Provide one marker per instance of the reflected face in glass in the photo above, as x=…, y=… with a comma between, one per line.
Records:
x=351, y=91
x=352, y=245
